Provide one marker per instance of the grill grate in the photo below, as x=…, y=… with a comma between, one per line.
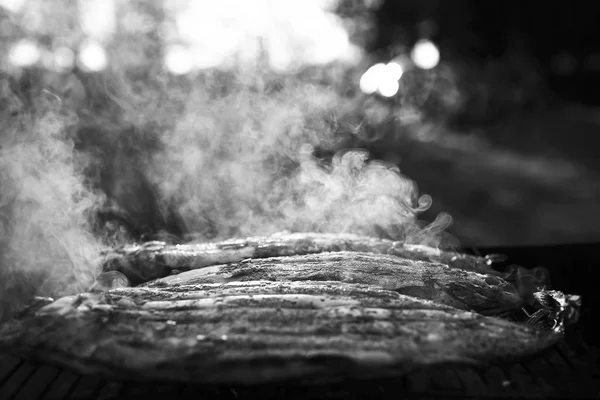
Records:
x=569, y=370
x=558, y=373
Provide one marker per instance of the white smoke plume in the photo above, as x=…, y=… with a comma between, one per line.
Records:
x=230, y=159
x=207, y=155
x=46, y=247
x=241, y=163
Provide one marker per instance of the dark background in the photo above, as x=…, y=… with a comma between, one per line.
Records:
x=539, y=66
x=549, y=32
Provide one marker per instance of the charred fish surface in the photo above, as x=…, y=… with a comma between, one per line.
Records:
x=466, y=290
x=256, y=332
x=155, y=259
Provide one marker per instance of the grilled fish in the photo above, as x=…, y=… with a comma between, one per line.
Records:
x=151, y=260
x=466, y=290
x=254, y=332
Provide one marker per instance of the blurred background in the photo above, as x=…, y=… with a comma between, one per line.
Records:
x=490, y=107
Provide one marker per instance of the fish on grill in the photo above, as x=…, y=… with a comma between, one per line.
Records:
x=265, y=331
x=151, y=260
x=466, y=290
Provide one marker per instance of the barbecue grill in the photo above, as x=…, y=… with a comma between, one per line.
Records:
x=569, y=370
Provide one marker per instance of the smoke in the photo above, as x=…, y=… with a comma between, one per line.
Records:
x=227, y=155
x=528, y=281
x=207, y=155
x=353, y=194
x=242, y=162
x=46, y=247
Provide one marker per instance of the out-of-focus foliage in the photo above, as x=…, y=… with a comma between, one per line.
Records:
x=67, y=45
x=183, y=36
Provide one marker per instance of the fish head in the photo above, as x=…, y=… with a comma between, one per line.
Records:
x=486, y=294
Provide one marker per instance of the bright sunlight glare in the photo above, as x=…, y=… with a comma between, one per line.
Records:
x=369, y=82
x=24, y=53
x=12, y=5
x=98, y=18
x=388, y=88
x=294, y=33
x=178, y=60
x=394, y=70
x=388, y=81
x=382, y=78
x=425, y=54
x=92, y=56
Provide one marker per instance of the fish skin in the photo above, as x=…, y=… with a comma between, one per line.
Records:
x=466, y=290
x=151, y=260
x=256, y=332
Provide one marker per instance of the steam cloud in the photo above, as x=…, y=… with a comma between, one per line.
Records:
x=228, y=154
x=46, y=247
x=243, y=164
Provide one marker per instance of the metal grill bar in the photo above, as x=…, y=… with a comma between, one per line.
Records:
x=37, y=383
x=570, y=370
x=8, y=366
x=17, y=380
x=532, y=379
x=61, y=387
x=552, y=375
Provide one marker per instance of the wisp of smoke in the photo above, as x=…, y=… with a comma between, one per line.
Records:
x=352, y=194
x=241, y=162
x=220, y=152
x=232, y=154
x=45, y=244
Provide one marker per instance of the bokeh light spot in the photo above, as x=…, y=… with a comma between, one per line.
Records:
x=394, y=70
x=92, y=56
x=383, y=78
x=24, y=53
x=425, y=54
x=98, y=18
x=178, y=60
x=388, y=87
x=369, y=82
